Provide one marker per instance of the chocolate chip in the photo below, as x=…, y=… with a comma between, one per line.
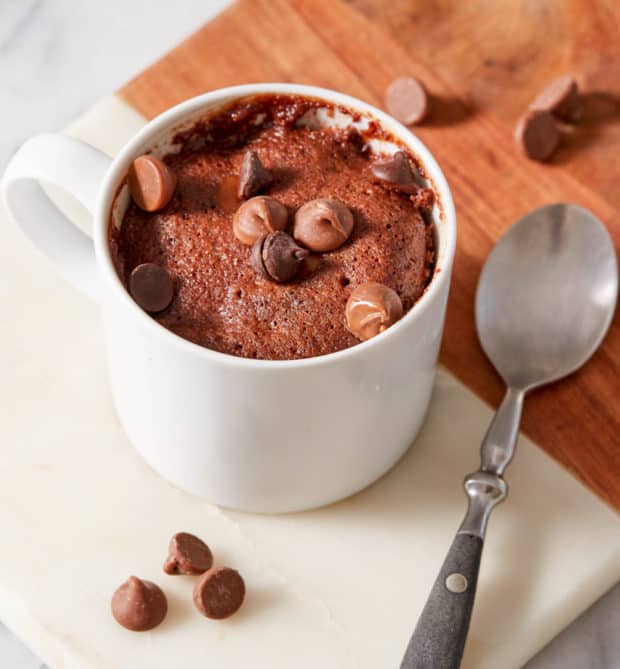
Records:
x=277, y=257
x=406, y=100
x=139, y=605
x=537, y=135
x=371, y=309
x=151, y=183
x=257, y=257
x=253, y=176
x=219, y=593
x=560, y=98
x=187, y=554
x=257, y=217
x=151, y=287
x=395, y=171
x=323, y=225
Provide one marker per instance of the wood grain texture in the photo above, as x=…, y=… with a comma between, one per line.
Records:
x=482, y=65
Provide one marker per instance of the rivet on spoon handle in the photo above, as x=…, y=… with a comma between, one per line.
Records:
x=447, y=610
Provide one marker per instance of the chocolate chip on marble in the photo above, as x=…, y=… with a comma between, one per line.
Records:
x=395, y=171
x=407, y=101
x=219, y=593
x=187, y=554
x=257, y=217
x=371, y=309
x=139, y=605
x=323, y=225
x=151, y=183
x=537, y=135
x=277, y=257
x=560, y=98
x=253, y=176
x=151, y=287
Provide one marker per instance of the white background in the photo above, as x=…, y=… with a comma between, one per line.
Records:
x=57, y=58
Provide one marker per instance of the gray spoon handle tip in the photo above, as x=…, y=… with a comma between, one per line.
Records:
x=439, y=636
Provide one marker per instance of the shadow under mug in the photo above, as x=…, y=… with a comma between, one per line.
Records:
x=256, y=435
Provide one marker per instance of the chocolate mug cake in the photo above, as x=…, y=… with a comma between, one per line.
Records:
x=271, y=235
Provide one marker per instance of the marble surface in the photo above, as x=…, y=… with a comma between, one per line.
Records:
x=61, y=56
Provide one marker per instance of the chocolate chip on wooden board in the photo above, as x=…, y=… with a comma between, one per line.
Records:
x=139, y=605
x=253, y=176
x=407, y=101
x=560, y=98
x=151, y=287
x=151, y=183
x=537, y=134
x=219, y=593
x=187, y=554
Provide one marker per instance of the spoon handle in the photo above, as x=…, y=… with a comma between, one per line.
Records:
x=439, y=636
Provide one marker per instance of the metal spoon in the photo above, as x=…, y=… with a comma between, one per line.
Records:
x=545, y=299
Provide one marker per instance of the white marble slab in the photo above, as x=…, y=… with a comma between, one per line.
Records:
x=58, y=57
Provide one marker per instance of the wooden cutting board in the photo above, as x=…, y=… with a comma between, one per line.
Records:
x=482, y=65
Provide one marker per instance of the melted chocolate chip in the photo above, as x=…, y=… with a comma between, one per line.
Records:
x=257, y=217
x=395, y=172
x=323, y=225
x=371, y=309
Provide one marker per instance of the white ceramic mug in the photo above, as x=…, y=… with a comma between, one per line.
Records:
x=257, y=435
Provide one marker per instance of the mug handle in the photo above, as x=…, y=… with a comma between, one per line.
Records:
x=73, y=166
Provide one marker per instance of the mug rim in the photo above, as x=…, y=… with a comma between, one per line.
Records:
x=187, y=108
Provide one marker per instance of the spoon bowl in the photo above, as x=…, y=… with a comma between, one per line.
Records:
x=546, y=295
